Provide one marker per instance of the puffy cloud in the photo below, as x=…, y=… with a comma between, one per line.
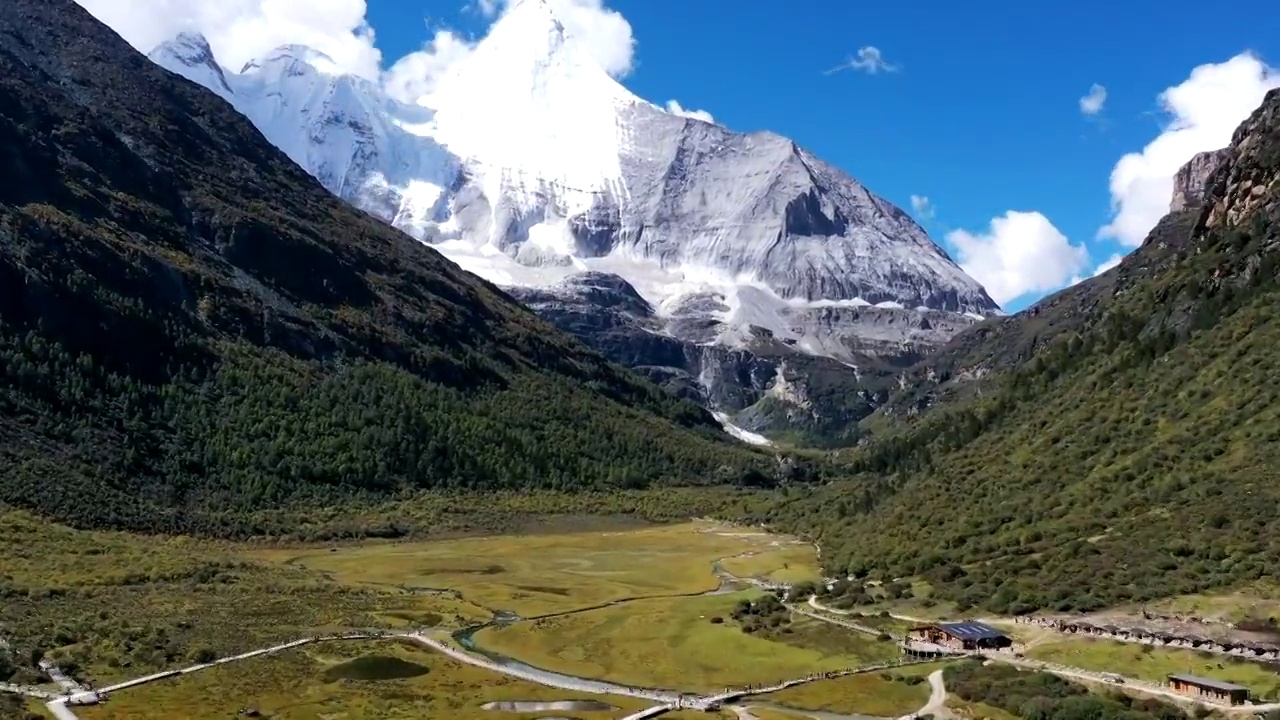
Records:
x=922, y=207
x=1021, y=253
x=868, y=60
x=241, y=30
x=1204, y=110
x=1092, y=103
x=674, y=107
x=418, y=73
x=605, y=33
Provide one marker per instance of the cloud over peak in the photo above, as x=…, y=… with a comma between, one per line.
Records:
x=244, y=30
x=674, y=107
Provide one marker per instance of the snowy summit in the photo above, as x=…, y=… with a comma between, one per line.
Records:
x=529, y=165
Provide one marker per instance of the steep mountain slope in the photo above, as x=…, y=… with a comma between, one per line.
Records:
x=1118, y=441
x=530, y=165
x=191, y=326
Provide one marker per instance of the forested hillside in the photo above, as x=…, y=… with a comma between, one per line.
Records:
x=1118, y=441
x=190, y=326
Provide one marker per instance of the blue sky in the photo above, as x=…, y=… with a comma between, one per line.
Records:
x=982, y=117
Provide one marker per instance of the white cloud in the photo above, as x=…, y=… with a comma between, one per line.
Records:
x=922, y=207
x=869, y=60
x=605, y=33
x=241, y=30
x=1021, y=253
x=418, y=73
x=1204, y=111
x=1092, y=103
x=674, y=107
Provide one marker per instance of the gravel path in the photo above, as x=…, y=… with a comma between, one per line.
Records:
x=937, y=705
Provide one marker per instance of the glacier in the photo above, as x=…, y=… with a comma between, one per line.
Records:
x=533, y=168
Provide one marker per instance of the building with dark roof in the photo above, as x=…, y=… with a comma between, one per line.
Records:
x=961, y=636
x=1209, y=689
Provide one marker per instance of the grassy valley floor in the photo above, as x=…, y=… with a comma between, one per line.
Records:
x=685, y=643
x=343, y=681
x=787, y=563
x=635, y=605
x=110, y=606
x=889, y=694
x=1155, y=664
x=534, y=575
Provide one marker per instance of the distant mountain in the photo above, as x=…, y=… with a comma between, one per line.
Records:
x=531, y=166
x=1116, y=442
x=193, y=330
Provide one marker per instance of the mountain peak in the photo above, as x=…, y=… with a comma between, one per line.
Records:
x=194, y=40
x=529, y=37
x=531, y=99
x=533, y=14
x=190, y=55
x=294, y=56
x=192, y=48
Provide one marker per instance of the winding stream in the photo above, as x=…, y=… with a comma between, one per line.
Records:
x=465, y=638
x=728, y=583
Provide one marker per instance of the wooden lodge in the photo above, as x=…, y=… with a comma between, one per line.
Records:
x=960, y=636
x=1207, y=689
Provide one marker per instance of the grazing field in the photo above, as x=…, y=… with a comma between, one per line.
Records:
x=788, y=562
x=889, y=694
x=1260, y=601
x=112, y=606
x=319, y=684
x=1156, y=664
x=539, y=574
x=676, y=643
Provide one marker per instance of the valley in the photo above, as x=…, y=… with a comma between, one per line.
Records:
x=320, y=405
x=617, y=621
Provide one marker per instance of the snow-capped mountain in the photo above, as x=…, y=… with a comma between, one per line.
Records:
x=530, y=166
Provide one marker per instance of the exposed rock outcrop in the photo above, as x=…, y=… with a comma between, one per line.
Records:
x=1189, y=185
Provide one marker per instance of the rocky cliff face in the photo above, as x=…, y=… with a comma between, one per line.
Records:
x=1189, y=185
x=1249, y=185
x=531, y=166
x=757, y=381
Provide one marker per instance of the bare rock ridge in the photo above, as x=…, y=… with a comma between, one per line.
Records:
x=1189, y=184
x=530, y=165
